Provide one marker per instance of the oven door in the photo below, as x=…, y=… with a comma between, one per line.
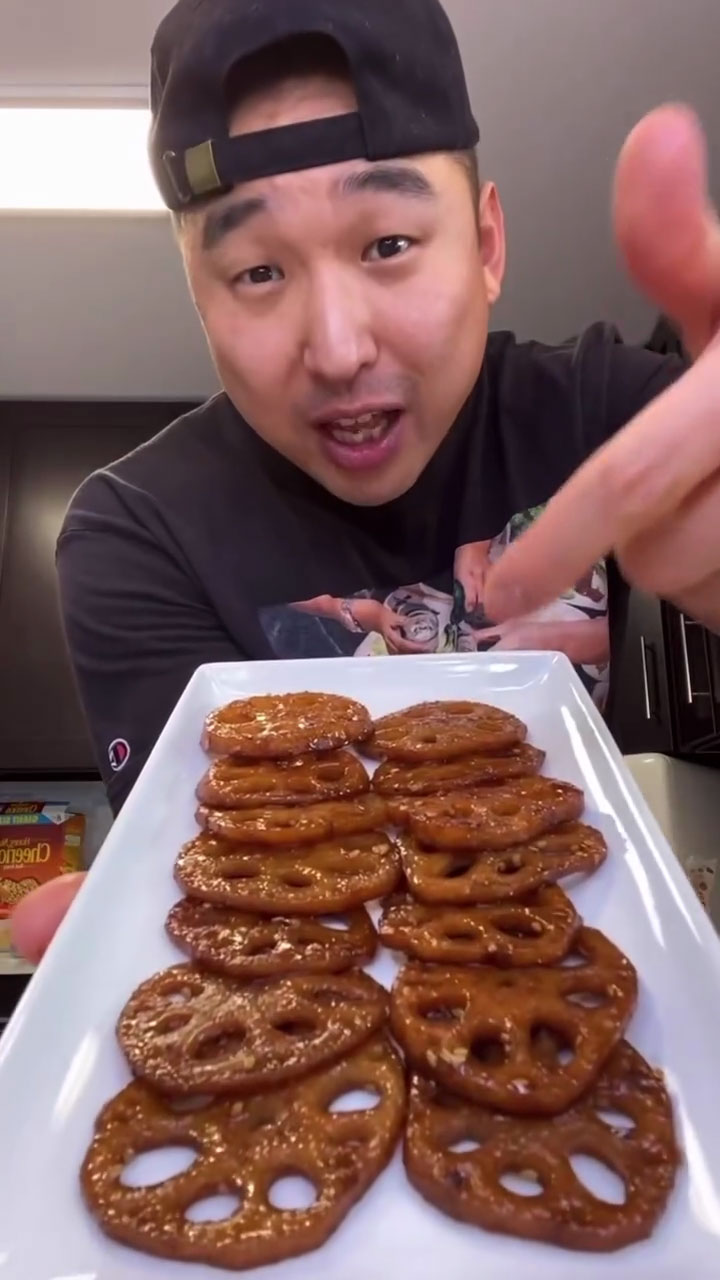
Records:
x=695, y=667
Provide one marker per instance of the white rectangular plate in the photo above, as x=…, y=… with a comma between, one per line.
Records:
x=59, y=1061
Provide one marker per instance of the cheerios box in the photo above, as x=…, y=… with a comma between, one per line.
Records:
x=39, y=840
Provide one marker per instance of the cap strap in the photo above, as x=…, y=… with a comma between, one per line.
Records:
x=212, y=167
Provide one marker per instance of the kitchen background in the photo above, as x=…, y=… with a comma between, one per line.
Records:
x=100, y=347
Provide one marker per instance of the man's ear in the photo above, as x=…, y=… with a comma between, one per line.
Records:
x=492, y=240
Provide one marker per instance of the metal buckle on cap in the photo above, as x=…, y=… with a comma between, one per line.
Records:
x=201, y=170
x=197, y=166
x=170, y=161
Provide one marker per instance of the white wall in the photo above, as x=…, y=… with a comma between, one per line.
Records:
x=557, y=85
x=97, y=306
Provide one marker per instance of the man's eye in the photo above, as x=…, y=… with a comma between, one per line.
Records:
x=387, y=247
x=263, y=274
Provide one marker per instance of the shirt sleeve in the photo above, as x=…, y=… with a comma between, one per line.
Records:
x=137, y=626
x=613, y=381
x=636, y=377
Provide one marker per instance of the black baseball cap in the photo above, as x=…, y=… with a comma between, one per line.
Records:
x=403, y=59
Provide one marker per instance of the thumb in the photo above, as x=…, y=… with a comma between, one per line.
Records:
x=665, y=224
x=37, y=917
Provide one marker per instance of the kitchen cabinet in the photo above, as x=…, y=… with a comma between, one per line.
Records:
x=642, y=717
x=695, y=703
x=668, y=693
x=46, y=450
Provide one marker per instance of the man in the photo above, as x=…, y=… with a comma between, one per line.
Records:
x=376, y=475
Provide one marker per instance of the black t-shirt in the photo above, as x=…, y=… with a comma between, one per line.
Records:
x=205, y=545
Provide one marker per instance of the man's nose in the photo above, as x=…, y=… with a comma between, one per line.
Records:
x=338, y=334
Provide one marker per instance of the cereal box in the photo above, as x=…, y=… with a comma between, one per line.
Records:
x=38, y=841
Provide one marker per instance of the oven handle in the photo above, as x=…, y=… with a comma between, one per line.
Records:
x=690, y=693
x=645, y=677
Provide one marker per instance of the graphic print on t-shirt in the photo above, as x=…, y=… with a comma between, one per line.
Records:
x=447, y=614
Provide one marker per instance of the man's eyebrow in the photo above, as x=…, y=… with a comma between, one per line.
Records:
x=220, y=222
x=398, y=179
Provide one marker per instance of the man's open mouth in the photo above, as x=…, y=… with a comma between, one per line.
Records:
x=365, y=429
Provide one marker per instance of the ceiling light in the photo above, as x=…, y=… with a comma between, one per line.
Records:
x=90, y=159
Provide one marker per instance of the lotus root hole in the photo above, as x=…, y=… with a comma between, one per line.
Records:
x=216, y=1208
x=588, y=999
x=520, y=927
x=220, y=1045
x=332, y=994
x=617, y=1120
x=460, y=868
x=293, y=1192
x=296, y=1027
x=488, y=1050
x=551, y=1045
x=355, y=1100
x=195, y=1102
x=152, y=1168
x=464, y=1146
x=600, y=1180
x=438, y=1012
x=172, y=1022
x=522, y=1182
x=336, y=922
x=508, y=867
x=183, y=992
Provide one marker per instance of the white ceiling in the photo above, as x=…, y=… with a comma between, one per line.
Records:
x=97, y=306
x=76, y=44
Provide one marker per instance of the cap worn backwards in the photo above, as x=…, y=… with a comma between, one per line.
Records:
x=404, y=63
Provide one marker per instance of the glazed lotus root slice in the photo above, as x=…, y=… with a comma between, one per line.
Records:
x=245, y=1147
x=440, y=876
x=232, y=783
x=520, y=1040
x=189, y=1032
x=444, y=730
x=493, y=818
x=276, y=726
x=462, y=1158
x=336, y=875
x=394, y=779
x=248, y=946
x=306, y=824
x=536, y=930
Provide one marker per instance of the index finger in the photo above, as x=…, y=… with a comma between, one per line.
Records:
x=637, y=480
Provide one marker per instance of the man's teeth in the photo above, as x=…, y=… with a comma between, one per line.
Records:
x=369, y=426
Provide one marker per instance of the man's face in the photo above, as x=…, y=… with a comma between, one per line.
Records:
x=346, y=307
